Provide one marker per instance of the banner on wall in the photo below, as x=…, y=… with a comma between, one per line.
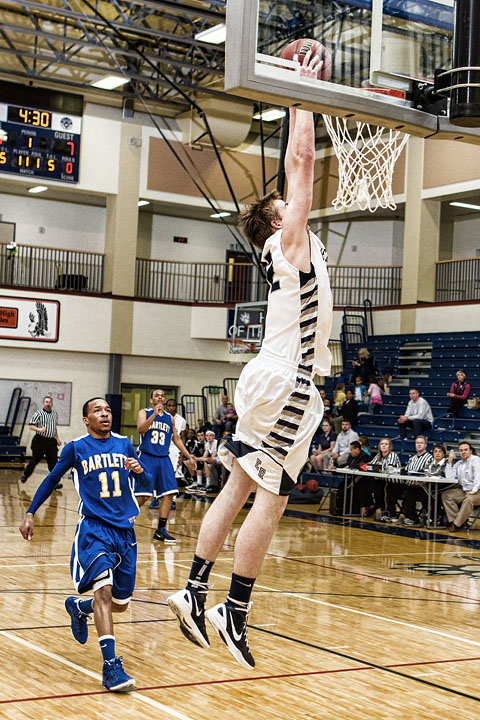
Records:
x=32, y=319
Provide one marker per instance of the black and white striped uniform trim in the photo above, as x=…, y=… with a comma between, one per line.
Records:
x=42, y=418
x=417, y=463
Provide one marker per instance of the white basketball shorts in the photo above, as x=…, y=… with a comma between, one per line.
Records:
x=279, y=408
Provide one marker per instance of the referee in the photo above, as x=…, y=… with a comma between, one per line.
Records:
x=46, y=442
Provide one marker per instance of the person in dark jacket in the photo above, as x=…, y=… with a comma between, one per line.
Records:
x=347, y=411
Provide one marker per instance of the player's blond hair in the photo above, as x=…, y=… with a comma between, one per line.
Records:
x=255, y=220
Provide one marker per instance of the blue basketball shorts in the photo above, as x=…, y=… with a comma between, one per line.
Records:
x=163, y=474
x=99, y=549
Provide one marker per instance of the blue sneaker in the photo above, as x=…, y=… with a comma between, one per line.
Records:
x=164, y=536
x=114, y=676
x=153, y=504
x=173, y=505
x=78, y=620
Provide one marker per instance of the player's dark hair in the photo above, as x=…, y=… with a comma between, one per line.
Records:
x=255, y=220
x=355, y=444
x=87, y=403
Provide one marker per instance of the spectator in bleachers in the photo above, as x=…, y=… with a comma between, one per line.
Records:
x=364, y=366
x=327, y=403
x=341, y=449
x=459, y=392
x=360, y=389
x=418, y=463
x=198, y=451
x=231, y=418
x=190, y=444
x=364, y=442
x=384, y=383
x=459, y=502
x=348, y=410
x=418, y=416
x=219, y=418
x=320, y=457
x=374, y=393
x=338, y=397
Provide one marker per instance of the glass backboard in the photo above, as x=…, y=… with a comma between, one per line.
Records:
x=373, y=43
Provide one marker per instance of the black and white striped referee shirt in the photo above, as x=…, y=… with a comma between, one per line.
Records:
x=42, y=418
x=418, y=463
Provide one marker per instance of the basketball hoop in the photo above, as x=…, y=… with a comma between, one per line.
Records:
x=241, y=351
x=366, y=160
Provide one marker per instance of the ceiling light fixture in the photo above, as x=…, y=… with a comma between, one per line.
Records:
x=37, y=189
x=143, y=202
x=269, y=115
x=466, y=205
x=220, y=215
x=110, y=82
x=216, y=34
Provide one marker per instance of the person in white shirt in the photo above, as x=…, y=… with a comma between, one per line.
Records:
x=459, y=502
x=418, y=416
x=181, y=427
x=341, y=449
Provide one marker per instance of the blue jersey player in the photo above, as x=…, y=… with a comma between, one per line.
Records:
x=104, y=552
x=157, y=431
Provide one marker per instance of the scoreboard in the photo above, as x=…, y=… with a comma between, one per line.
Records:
x=39, y=143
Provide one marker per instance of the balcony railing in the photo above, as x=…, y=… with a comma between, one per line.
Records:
x=457, y=280
x=199, y=282
x=234, y=283
x=51, y=268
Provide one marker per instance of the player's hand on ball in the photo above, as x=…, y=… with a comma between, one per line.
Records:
x=133, y=465
x=26, y=528
x=311, y=65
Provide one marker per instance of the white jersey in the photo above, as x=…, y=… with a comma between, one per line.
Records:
x=300, y=308
x=174, y=453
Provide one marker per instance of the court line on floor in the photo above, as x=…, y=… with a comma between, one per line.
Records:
x=375, y=555
x=352, y=610
x=134, y=694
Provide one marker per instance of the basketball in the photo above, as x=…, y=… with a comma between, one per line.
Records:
x=301, y=47
x=312, y=485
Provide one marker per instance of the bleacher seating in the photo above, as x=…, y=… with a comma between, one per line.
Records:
x=449, y=352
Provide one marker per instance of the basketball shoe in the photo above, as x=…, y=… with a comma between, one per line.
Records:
x=189, y=607
x=114, y=676
x=230, y=622
x=78, y=620
x=162, y=535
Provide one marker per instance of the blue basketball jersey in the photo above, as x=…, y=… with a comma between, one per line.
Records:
x=103, y=483
x=157, y=439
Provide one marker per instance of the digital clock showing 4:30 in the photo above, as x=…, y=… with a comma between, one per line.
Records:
x=39, y=143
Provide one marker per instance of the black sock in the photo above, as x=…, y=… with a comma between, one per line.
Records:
x=240, y=590
x=162, y=523
x=198, y=578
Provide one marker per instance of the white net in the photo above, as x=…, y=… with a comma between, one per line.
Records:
x=241, y=351
x=366, y=160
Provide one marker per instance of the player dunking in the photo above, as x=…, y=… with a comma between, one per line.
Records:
x=104, y=552
x=157, y=429
x=278, y=405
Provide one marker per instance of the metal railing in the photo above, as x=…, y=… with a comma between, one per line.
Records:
x=457, y=280
x=235, y=283
x=199, y=282
x=51, y=268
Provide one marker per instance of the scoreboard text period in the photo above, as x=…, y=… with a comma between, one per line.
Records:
x=39, y=143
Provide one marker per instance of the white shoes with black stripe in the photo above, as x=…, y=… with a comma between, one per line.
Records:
x=230, y=622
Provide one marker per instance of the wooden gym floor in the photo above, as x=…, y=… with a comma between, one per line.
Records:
x=351, y=619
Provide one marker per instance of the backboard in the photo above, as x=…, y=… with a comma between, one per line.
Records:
x=379, y=43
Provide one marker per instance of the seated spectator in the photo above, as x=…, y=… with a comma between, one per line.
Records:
x=190, y=444
x=211, y=463
x=357, y=458
x=437, y=468
x=320, y=457
x=341, y=449
x=418, y=416
x=359, y=390
x=364, y=442
x=459, y=392
x=348, y=410
x=219, y=418
x=374, y=393
x=384, y=383
x=231, y=418
x=372, y=490
x=459, y=502
x=364, y=366
x=198, y=451
x=338, y=397
x=418, y=463
x=327, y=403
